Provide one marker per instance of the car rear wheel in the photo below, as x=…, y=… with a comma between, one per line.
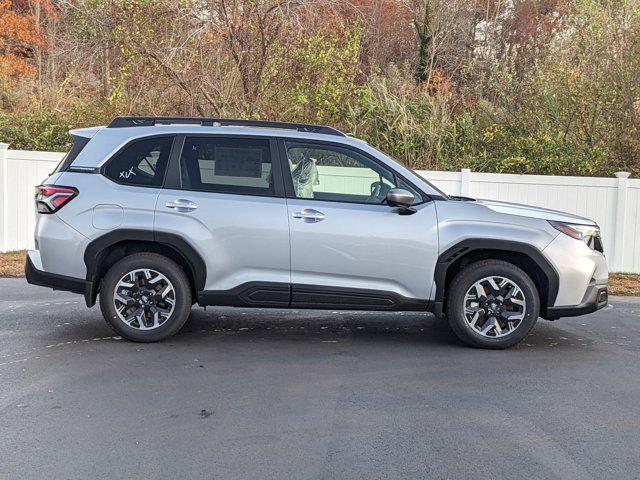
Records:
x=145, y=297
x=492, y=304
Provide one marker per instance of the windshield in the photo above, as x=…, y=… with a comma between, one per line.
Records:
x=440, y=192
x=431, y=184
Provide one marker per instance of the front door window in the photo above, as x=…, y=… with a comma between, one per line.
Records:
x=332, y=173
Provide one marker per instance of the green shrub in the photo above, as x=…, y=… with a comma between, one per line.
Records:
x=35, y=131
x=509, y=149
x=410, y=126
x=47, y=130
x=421, y=131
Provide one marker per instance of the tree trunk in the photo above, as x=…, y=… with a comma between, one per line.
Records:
x=425, y=39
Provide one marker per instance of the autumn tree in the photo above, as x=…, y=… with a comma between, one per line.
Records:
x=528, y=86
x=20, y=35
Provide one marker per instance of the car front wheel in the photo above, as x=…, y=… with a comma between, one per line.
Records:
x=492, y=304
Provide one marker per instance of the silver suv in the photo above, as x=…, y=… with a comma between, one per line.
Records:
x=156, y=214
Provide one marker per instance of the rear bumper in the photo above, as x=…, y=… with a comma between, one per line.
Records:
x=597, y=297
x=35, y=276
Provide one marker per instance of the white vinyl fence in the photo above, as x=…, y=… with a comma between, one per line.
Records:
x=613, y=202
x=20, y=172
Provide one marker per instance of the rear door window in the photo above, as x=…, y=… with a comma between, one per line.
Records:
x=227, y=165
x=141, y=163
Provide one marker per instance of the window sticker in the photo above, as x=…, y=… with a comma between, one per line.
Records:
x=126, y=174
x=238, y=162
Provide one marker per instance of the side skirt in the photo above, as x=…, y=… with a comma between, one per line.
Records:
x=282, y=295
x=252, y=294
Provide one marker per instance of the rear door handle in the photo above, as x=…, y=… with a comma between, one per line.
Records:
x=309, y=215
x=182, y=205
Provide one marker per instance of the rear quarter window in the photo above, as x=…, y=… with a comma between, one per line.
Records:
x=78, y=144
x=141, y=163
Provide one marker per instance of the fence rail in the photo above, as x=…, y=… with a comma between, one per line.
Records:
x=613, y=202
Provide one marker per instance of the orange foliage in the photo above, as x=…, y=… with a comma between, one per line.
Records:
x=386, y=25
x=437, y=84
x=20, y=34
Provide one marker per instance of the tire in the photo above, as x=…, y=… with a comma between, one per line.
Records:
x=507, y=318
x=157, y=293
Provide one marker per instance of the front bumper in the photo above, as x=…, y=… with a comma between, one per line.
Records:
x=596, y=297
x=36, y=276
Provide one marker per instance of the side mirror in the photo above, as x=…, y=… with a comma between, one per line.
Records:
x=402, y=199
x=398, y=197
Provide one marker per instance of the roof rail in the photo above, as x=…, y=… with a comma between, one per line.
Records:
x=121, y=122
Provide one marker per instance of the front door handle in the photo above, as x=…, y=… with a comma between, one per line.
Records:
x=309, y=215
x=182, y=205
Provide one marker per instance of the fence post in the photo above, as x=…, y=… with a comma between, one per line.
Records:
x=4, y=181
x=465, y=180
x=621, y=216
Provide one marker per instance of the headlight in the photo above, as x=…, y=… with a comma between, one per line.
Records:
x=589, y=234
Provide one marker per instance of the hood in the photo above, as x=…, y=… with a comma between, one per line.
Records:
x=534, y=212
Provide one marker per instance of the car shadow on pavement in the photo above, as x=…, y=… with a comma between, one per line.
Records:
x=316, y=325
x=246, y=325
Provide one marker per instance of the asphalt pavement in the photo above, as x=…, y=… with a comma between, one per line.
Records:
x=274, y=394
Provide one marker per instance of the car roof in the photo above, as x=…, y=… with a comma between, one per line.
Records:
x=107, y=141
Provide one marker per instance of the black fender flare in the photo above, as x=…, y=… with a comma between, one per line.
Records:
x=464, y=247
x=94, y=255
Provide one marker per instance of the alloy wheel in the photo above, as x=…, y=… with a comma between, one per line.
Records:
x=494, y=306
x=144, y=299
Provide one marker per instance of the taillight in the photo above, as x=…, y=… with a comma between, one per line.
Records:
x=50, y=198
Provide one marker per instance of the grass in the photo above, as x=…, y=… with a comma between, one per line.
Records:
x=12, y=265
x=624, y=284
